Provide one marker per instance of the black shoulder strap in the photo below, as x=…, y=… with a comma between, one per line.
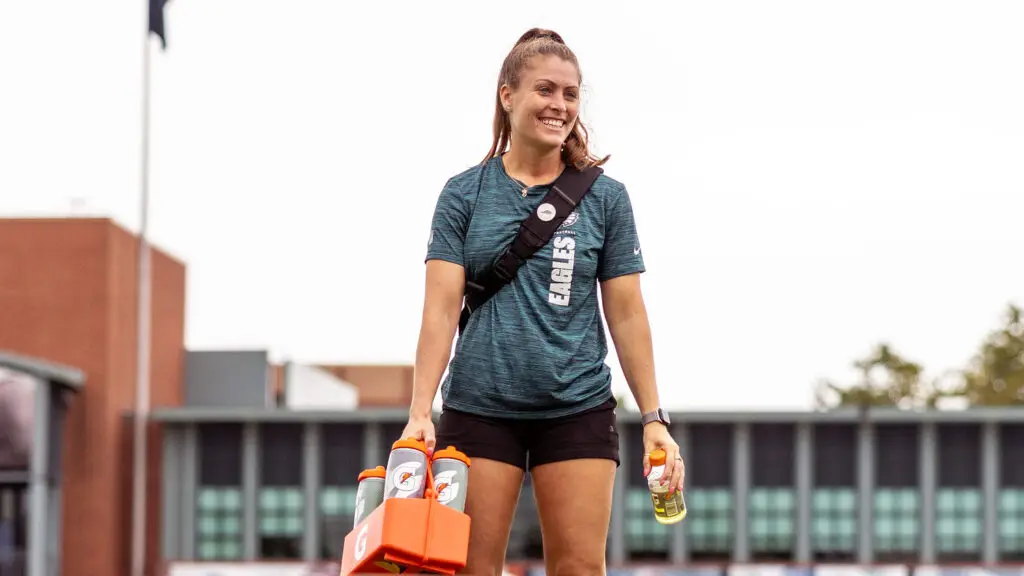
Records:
x=535, y=232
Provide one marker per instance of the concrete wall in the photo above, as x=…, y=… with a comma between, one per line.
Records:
x=227, y=379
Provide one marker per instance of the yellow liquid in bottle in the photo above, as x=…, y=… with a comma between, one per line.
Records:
x=667, y=509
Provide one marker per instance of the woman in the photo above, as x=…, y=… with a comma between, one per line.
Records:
x=528, y=387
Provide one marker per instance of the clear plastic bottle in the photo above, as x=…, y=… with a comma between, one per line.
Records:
x=667, y=509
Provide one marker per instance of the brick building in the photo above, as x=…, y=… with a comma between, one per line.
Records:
x=68, y=295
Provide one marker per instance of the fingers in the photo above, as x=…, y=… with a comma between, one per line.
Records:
x=429, y=439
x=670, y=467
x=678, y=470
x=423, y=433
x=682, y=475
x=647, y=463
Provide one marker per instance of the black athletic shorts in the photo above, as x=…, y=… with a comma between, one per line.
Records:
x=531, y=442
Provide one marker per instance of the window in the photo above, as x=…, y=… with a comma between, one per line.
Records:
x=645, y=537
x=219, y=524
x=897, y=506
x=834, y=497
x=281, y=500
x=958, y=524
x=834, y=524
x=342, y=458
x=337, y=510
x=772, y=523
x=219, y=494
x=1011, y=524
x=772, y=496
x=897, y=516
x=1010, y=512
x=896, y=456
x=709, y=531
x=13, y=528
x=709, y=471
x=281, y=522
x=958, y=509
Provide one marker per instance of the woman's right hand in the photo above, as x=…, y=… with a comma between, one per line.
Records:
x=421, y=428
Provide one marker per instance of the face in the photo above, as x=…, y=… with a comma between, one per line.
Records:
x=545, y=105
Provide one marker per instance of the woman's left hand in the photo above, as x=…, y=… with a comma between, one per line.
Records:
x=656, y=436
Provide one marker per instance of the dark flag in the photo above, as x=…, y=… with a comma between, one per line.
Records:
x=156, y=20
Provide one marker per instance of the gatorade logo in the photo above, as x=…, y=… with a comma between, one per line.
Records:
x=360, y=550
x=406, y=478
x=360, y=507
x=360, y=500
x=446, y=487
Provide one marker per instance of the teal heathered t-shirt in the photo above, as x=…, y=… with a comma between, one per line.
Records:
x=537, y=348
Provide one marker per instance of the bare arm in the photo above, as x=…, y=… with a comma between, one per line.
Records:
x=626, y=315
x=442, y=305
x=627, y=320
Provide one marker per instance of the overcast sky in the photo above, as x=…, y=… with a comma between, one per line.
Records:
x=808, y=177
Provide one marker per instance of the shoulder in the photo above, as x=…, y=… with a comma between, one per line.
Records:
x=466, y=181
x=608, y=186
x=609, y=190
x=460, y=189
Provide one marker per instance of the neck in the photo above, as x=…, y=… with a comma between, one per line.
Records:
x=533, y=166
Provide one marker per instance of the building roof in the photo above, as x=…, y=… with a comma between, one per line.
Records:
x=392, y=415
x=66, y=376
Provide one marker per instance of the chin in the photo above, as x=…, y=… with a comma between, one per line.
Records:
x=548, y=142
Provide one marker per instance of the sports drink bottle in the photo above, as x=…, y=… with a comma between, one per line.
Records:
x=451, y=477
x=406, y=475
x=369, y=493
x=667, y=509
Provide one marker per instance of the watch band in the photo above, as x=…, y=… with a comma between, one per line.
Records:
x=657, y=415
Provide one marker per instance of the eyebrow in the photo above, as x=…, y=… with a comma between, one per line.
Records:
x=552, y=82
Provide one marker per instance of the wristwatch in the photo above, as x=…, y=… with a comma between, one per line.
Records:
x=658, y=415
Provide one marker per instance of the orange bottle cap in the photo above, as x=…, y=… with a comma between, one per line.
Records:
x=451, y=452
x=658, y=457
x=378, y=472
x=410, y=443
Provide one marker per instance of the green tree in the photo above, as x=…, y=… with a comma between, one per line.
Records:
x=995, y=376
x=886, y=379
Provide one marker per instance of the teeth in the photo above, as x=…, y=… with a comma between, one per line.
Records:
x=555, y=123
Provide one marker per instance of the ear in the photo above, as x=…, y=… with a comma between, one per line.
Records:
x=505, y=94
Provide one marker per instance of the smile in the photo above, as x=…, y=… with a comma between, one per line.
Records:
x=552, y=122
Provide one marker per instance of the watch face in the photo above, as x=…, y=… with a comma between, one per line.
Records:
x=664, y=416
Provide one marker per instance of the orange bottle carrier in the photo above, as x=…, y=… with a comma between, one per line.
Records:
x=408, y=535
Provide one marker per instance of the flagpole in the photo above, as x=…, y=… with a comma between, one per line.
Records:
x=139, y=456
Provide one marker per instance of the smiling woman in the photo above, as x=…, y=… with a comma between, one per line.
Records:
x=539, y=68
x=528, y=387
